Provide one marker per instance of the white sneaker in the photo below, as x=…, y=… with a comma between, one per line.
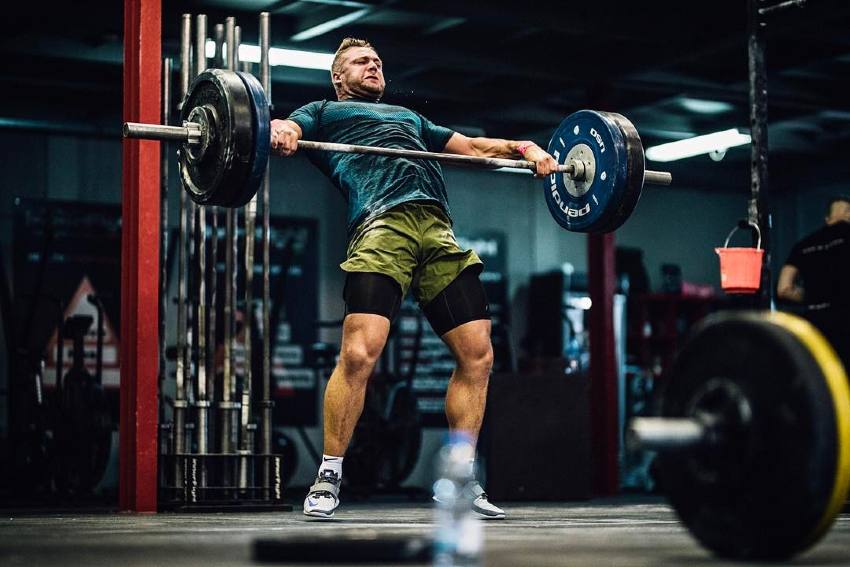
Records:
x=483, y=508
x=323, y=497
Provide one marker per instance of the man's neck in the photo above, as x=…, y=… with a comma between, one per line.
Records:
x=356, y=98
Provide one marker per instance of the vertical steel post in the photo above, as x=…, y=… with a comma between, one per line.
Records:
x=237, y=41
x=185, y=54
x=179, y=431
x=266, y=403
x=232, y=33
x=227, y=390
x=759, y=210
x=218, y=61
x=212, y=282
x=245, y=445
x=202, y=402
x=165, y=150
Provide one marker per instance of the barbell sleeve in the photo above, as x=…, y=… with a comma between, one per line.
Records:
x=664, y=434
x=190, y=131
x=157, y=132
x=657, y=177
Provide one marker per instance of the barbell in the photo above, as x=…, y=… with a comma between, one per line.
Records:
x=225, y=139
x=754, y=435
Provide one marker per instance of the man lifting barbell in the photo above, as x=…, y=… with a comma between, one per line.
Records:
x=400, y=238
x=399, y=222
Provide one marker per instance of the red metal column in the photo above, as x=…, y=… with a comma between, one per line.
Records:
x=602, y=279
x=139, y=260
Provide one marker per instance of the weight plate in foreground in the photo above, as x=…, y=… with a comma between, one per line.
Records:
x=589, y=205
x=358, y=547
x=774, y=480
x=217, y=175
x=629, y=193
x=261, y=139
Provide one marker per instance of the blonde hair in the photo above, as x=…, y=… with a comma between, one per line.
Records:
x=344, y=46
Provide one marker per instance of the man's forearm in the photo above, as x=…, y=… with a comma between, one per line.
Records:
x=791, y=293
x=499, y=148
x=787, y=287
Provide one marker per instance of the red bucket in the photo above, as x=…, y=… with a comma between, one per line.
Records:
x=740, y=268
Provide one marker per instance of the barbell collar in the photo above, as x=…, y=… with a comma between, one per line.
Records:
x=579, y=172
x=665, y=434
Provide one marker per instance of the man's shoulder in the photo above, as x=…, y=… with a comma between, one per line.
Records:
x=842, y=227
x=309, y=108
x=827, y=234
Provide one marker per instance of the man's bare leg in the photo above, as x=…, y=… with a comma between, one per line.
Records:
x=363, y=339
x=467, y=392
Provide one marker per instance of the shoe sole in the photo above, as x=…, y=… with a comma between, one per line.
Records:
x=319, y=515
x=483, y=516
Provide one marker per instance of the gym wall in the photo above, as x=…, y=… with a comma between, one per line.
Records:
x=680, y=225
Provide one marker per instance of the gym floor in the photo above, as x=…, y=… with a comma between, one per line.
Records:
x=624, y=531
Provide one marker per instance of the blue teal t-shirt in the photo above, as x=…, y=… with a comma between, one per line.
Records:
x=374, y=184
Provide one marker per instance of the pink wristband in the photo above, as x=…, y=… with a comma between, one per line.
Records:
x=522, y=148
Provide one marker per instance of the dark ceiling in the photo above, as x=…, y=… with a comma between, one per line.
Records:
x=509, y=69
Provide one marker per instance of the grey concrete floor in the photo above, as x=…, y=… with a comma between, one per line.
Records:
x=621, y=532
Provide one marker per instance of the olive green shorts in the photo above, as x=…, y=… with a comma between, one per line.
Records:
x=414, y=245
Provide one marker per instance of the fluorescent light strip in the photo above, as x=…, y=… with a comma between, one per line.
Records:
x=702, y=106
x=280, y=57
x=330, y=25
x=698, y=145
x=345, y=3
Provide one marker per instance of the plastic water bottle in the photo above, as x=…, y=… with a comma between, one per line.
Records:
x=459, y=536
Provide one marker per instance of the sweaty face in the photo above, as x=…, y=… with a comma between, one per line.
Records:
x=360, y=74
x=840, y=211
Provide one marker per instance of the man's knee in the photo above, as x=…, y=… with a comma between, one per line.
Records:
x=358, y=358
x=363, y=339
x=476, y=358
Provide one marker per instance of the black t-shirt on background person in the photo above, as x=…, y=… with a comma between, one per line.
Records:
x=823, y=262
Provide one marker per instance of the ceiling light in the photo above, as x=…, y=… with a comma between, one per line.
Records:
x=701, y=106
x=280, y=56
x=716, y=142
x=330, y=25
